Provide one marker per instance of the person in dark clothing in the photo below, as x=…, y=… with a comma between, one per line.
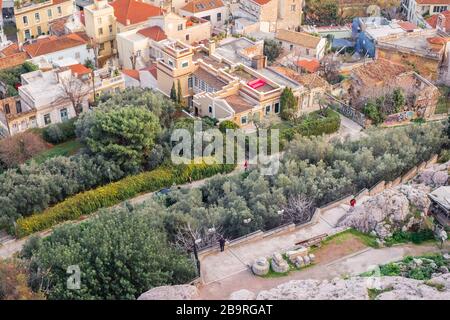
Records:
x=222, y=244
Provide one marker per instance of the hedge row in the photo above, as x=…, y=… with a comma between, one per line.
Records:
x=314, y=125
x=111, y=194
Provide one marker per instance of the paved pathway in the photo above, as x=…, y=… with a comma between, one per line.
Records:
x=220, y=265
x=352, y=264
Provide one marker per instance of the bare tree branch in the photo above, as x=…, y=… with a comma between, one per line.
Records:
x=299, y=209
x=75, y=91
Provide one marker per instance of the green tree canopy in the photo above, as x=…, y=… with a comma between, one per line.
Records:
x=125, y=135
x=272, y=49
x=120, y=256
x=288, y=104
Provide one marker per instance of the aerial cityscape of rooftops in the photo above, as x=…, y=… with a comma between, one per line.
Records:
x=224, y=150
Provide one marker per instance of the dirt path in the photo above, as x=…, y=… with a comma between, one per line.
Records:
x=352, y=264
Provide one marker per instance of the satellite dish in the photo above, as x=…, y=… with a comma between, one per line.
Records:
x=373, y=11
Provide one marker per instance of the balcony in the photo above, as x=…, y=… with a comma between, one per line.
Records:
x=21, y=6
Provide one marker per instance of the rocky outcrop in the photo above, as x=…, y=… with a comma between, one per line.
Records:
x=398, y=208
x=179, y=292
x=361, y=288
x=261, y=267
x=242, y=295
x=435, y=176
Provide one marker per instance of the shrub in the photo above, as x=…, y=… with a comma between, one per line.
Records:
x=60, y=132
x=227, y=124
x=90, y=201
x=314, y=125
x=19, y=148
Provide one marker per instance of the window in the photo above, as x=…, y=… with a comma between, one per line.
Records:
x=219, y=16
x=18, y=106
x=111, y=43
x=59, y=10
x=101, y=46
x=291, y=46
x=77, y=55
x=196, y=81
x=27, y=34
x=49, y=13
x=37, y=17
x=202, y=85
x=277, y=107
x=293, y=8
x=187, y=37
x=268, y=109
x=439, y=8
x=185, y=64
x=64, y=115
x=39, y=30
x=7, y=111
x=138, y=53
x=100, y=31
x=25, y=20
x=180, y=27
x=110, y=28
x=244, y=120
x=307, y=52
x=210, y=109
x=47, y=119
x=190, y=83
x=170, y=63
x=99, y=20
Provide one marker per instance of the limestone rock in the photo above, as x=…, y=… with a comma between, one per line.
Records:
x=278, y=264
x=388, y=288
x=389, y=211
x=242, y=295
x=435, y=176
x=261, y=267
x=178, y=292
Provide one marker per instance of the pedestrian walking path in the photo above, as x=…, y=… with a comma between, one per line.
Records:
x=220, y=265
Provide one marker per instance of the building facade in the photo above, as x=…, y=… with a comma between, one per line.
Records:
x=33, y=18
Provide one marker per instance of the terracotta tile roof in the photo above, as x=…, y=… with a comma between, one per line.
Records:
x=134, y=11
x=378, y=71
x=53, y=44
x=300, y=38
x=80, y=69
x=443, y=2
x=310, y=65
x=153, y=70
x=238, y=104
x=202, y=5
x=261, y=2
x=155, y=33
x=132, y=73
x=407, y=26
x=10, y=50
x=432, y=21
x=310, y=81
x=57, y=26
x=13, y=60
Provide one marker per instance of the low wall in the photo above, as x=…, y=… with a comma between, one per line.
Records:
x=376, y=189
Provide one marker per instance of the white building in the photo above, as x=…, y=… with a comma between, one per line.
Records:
x=416, y=10
x=53, y=48
x=43, y=92
x=212, y=10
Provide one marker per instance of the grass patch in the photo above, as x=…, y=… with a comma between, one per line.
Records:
x=63, y=149
x=374, y=293
x=437, y=286
x=443, y=102
x=339, y=238
x=417, y=237
x=292, y=267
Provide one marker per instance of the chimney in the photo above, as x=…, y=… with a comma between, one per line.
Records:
x=440, y=23
x=259, y=62
x=211, y=47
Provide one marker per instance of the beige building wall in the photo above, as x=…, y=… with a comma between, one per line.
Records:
x=101, y=26
x=33, y=21
x=289, y=14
